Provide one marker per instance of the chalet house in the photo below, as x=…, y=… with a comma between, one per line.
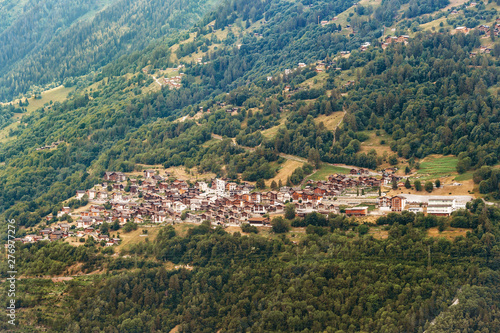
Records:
x=398, y=203
x=259, y=209
x=80, y=194
x=365, y=46
x=56, y=235
x=64, y=211
x=463, y=30
x=91, y=194
x=384, y=201
x=258, y=220
x=115, y=176
x=178, y=206
x=103, y=237
x=64, y=227
x=255, y=197
x=149, y=173
x=45, y=232
x=118, y=187
x=484, y=28
x=117, y=196
x=159, y=217
x=356, y=211
x=102, y=195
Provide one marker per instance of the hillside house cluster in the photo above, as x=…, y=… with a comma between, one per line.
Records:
x=403, y=39
x=53, y=145
x=220, y=200
x=174, y=82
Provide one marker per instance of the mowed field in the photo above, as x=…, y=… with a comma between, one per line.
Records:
x=326, y=170
x=58, y=94
x=286, y=170
x=332, y=121
x=438, y=166
x=136, y=236
x=271, y=132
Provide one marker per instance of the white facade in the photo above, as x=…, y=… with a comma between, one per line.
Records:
x=439, y=209
x=220, y=187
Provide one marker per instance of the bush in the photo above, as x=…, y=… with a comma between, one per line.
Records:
x=248, y=228
x=418, y=185
x=363, y=229
x=280, y=225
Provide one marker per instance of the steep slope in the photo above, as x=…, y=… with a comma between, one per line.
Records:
x=54, y=40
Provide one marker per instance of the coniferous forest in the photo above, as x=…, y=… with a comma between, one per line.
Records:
x=257, y=85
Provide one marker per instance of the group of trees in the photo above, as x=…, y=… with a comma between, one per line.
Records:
x=329, y=280
x=58, y=44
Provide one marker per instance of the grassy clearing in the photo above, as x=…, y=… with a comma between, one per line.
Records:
x=464, y=176
x=449, y=233
x=286, y=170
x=467, y=188
x=438, y=166
x=4, y=132
x=316, y=82
x=332, y=121
x=378, y=232
x=271, y=132
x=193, y=175
x=374, y=142
x=135, y=237
x=58, y=94
x=326, y=170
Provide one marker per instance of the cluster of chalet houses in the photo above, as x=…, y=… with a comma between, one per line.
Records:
x=403, y=39
x=156, y=200
x=174, y=82
x=63, y=230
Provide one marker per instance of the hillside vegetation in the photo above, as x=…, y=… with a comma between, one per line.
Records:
x=263, y=91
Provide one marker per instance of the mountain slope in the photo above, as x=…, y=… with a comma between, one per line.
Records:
x=54, y=40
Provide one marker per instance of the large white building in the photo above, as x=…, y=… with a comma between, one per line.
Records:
x=220, y=187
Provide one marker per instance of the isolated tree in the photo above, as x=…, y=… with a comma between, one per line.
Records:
x=429, y=186
x=418, y=185
x=289, y=211
x=280, y=225
x=261, y=184
x=407, y=170
x=280, y=184
x=394, y=184
x=393, y=159
x=407, y=183
x=438, y=183
x=274, y=186
x=314, y=158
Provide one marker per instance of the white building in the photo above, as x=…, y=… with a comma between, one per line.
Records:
x=220, y=187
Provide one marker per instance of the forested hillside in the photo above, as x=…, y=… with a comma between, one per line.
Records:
x=54, y=40
x=257, y=84
x=272, y=36
x=330, y=280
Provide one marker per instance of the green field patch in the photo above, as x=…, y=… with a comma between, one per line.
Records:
x=327, y=170
x=464, y=176
x=438, y=166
